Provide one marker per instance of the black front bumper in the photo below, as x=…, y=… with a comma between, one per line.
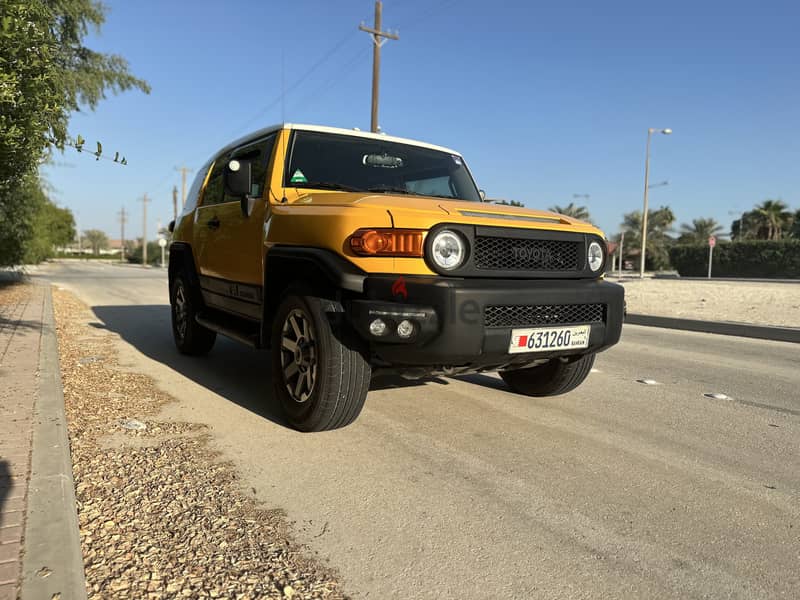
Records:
x=449, y=318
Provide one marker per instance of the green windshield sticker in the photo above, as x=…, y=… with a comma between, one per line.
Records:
x=298, y=177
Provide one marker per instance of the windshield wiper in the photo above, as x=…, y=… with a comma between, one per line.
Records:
x=330, y=185
x=388, y=188
x=445, y=197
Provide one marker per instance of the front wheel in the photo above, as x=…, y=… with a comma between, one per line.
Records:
x=550, y=379
x=190, y=337
x=319, y=370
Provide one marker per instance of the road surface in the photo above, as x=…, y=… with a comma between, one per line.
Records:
x=457, y=488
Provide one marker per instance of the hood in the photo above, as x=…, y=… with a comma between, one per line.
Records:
x=423, y=212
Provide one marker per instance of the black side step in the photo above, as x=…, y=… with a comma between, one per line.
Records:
x=245, y=337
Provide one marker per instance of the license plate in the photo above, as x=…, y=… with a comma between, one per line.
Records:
x=546, y=339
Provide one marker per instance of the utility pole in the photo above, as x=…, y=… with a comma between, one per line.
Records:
x=174, y=202
x=184, y=171
x=144, y=200
x=123, y=218
x=379, y=39
x=80, y=243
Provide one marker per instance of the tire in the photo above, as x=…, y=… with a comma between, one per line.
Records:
x=190, y=337
x=319, y=370
x=551, y=379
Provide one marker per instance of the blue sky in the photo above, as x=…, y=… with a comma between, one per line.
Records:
x=545, y=100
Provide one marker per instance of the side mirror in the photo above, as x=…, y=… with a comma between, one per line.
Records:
x=238, y=181
x=483, y=195
x=237, y=178
x=171, y=226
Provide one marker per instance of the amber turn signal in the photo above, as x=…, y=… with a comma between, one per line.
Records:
x=387, y=242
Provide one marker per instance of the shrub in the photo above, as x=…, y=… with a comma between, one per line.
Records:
x=748, y=258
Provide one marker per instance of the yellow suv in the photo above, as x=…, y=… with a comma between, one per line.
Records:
x=349, y=253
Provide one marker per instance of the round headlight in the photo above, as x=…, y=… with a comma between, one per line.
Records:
x=448, y=250
x=595, y=256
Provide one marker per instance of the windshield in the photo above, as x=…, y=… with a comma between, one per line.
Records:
x=351, y=163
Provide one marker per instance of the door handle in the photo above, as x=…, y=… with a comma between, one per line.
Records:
x=213, y=223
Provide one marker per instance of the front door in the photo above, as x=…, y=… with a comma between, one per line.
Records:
x=229, y=244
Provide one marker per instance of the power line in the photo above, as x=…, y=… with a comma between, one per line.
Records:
x=302, y=78
x=427, y=15
x=336, y=78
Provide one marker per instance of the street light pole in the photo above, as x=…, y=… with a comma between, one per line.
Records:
x=646, y=188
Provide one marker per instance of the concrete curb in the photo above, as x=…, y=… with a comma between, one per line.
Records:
x=52, y=540
x=763, y=332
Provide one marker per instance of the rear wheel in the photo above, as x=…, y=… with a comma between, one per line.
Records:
x=550, y=379
x=190, y=337
x=319, y=370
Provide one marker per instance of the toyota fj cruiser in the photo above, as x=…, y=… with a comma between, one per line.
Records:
x=349, y=253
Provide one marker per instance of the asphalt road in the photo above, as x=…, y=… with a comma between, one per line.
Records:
x=458, y=488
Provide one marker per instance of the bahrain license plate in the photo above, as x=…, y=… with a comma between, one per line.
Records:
x=547, y=339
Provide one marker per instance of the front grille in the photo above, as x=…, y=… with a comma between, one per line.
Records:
x=517, y=254
x=542, y=314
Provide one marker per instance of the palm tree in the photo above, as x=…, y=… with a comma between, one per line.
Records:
x=699, y=231
x=795, y=231
x=775, y=216
x=570, y=210
x=659, y=224
x=751, y=226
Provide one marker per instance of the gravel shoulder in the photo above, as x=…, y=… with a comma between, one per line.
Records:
x=161, y=514
x=759, y=303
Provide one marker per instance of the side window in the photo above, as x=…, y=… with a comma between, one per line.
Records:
x=194, y=191
x=213, y=191
x=258, y=154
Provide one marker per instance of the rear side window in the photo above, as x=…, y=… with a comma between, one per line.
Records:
x=213, y=192
x=194, y=190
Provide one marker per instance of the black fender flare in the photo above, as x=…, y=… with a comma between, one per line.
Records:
x=339, y=272
x=283, y=264
x=182, y=259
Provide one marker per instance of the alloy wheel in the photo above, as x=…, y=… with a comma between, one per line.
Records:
x=298, y=355
x=181, y=311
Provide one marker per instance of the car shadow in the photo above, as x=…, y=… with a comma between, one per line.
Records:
x=232, y=370
x=484, y=381
x=5, y=483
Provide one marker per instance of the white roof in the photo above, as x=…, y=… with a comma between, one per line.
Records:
x=336, y=130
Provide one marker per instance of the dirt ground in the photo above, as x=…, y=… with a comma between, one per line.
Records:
x=161, y=515
x=739, y=301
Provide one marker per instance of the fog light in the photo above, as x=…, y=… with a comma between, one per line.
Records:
x=405, y=329
x=378, y=327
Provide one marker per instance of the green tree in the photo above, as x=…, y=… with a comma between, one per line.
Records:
x=775, y=217
x=53, y=227
x=570, y=210
x=153, y=253
x=18, y=220
x=96, y=239
x=32, y=228
x=46, y=73
x=699, y=231
x=750, y=226
x=795, y=230
x=659, y=226
x=509, y=202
